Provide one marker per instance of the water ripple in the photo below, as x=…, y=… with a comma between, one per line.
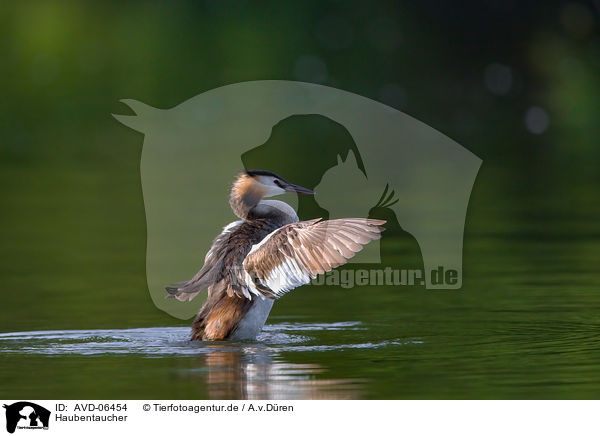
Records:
x=169, y=341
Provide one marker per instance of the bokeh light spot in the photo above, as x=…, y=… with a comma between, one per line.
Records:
x=498, y=78
x=537, y=120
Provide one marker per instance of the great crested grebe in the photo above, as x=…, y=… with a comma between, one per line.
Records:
x=265, y=254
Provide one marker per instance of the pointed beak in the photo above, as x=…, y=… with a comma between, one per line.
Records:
x=299, y=189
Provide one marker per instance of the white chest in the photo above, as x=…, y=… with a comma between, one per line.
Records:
x=251, y=325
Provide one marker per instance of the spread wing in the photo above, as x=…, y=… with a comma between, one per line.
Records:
x=293, y=254
x=210, y=272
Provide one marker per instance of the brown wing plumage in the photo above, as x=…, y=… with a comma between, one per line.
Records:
x=222, y=270
x=293, y=254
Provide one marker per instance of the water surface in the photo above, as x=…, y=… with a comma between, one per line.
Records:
x=76, y=320
x=241, y=370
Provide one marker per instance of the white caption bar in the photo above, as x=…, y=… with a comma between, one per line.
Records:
x=302, y=417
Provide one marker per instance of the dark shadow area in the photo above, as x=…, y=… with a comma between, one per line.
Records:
x=301, y=149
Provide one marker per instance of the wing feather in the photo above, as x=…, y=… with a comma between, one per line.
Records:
x=187, y=290
x=293, y=254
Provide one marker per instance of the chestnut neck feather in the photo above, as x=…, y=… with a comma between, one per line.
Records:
x=245, y=195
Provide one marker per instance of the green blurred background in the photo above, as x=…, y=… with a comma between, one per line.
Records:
x=516, y=83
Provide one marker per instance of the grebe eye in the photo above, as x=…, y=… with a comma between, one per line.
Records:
x=278, y=183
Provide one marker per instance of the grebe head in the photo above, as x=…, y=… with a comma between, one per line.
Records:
x=251, y=186
x=272, y=184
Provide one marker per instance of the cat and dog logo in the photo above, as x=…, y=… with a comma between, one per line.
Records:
x=362, y=158
x=26, y=415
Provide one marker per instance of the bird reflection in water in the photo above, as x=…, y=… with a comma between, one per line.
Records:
x=259, y=373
